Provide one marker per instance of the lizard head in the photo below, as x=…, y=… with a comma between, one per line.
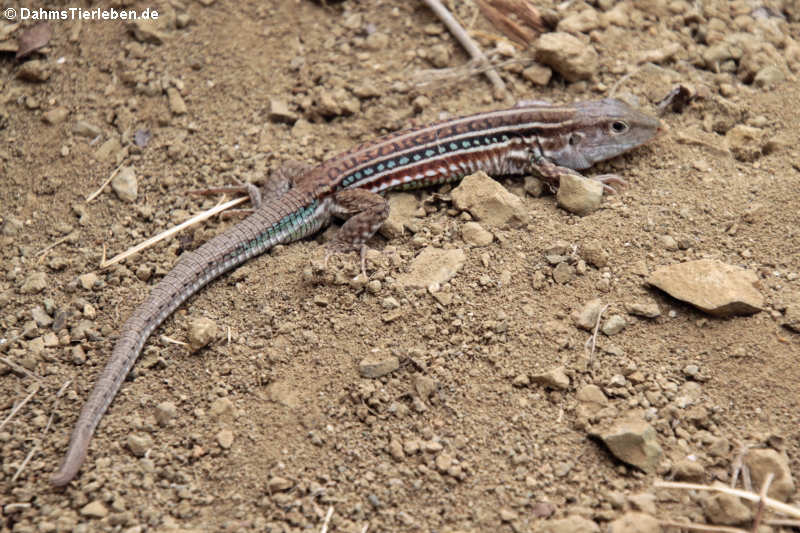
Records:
x=600, y=130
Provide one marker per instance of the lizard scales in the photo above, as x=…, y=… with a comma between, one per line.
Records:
x=533, y=136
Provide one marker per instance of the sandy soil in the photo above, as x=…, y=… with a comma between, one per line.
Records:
x=272, y=425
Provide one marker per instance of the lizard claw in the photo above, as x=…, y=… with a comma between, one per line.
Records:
x=608, y=180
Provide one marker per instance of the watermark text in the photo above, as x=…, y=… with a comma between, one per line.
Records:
x=78, y=13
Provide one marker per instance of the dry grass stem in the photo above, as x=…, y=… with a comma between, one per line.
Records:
x=701, y=527
x=168, y=233
x=96, y=193
x=17, y=407
x=19, y=369
x=49, y=247
x=773, y=504
x=24, y=463
x=466, y=41
x=59, y=395
x=762, y=495
x=170, y=340
x=591, y=342
x=327, y=521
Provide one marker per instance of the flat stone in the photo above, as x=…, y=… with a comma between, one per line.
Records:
x=567, y=55
x=726, y=509
x=433, y=266
x=474, y=234
x=94, y=509
x=762, y=462
x=375, y=367
x=633, y=522
x=57, y=115
x=570, y=524
x=176, y=103
x=646, y=309
x=586, y=317
x=488, y=201
x=555, y=379
x=35, y=283
x=712, y=286
x=634, y=442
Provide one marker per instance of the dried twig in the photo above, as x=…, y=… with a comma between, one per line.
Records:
x=168, y=233
x=773, y=504
x=49, y=247
x=466, y=41
x=17, y=407
x=96, y=193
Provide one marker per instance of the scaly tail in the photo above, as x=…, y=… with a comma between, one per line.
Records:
x=290, y=217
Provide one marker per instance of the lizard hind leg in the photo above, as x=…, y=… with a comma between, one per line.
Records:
x=274, y=186
x=365, y=212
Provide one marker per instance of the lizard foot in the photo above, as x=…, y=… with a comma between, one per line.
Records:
x=609, y=180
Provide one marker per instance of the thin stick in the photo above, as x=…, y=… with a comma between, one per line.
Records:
x=49, y=247
x=17, y=407
x=24, y=463
x=593, y=339
x=96, y=193
x=775, y=505
x=466, y=41
x=59, y=395
x=16, y=368
x=327, y=521
x=762, y=495
x=168, y=233
x=170, y=340
x=700, y=527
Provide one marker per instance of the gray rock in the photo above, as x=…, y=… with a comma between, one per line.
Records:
x=634, y=442
x=375, y=367
x=714, y=287
x=555, y=379
x=35, y=283
x=125, y=185
x=586, y=317
x=613, y=325
x=646, y=309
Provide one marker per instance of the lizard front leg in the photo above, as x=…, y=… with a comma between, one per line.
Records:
x=365, y=211
x=551, y=173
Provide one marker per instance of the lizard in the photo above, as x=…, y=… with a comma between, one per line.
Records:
x=531, y=137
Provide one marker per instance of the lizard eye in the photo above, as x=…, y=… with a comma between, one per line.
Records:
x=619, y=126
x=574, y=138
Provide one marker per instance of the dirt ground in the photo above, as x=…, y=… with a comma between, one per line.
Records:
x=272, y=425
